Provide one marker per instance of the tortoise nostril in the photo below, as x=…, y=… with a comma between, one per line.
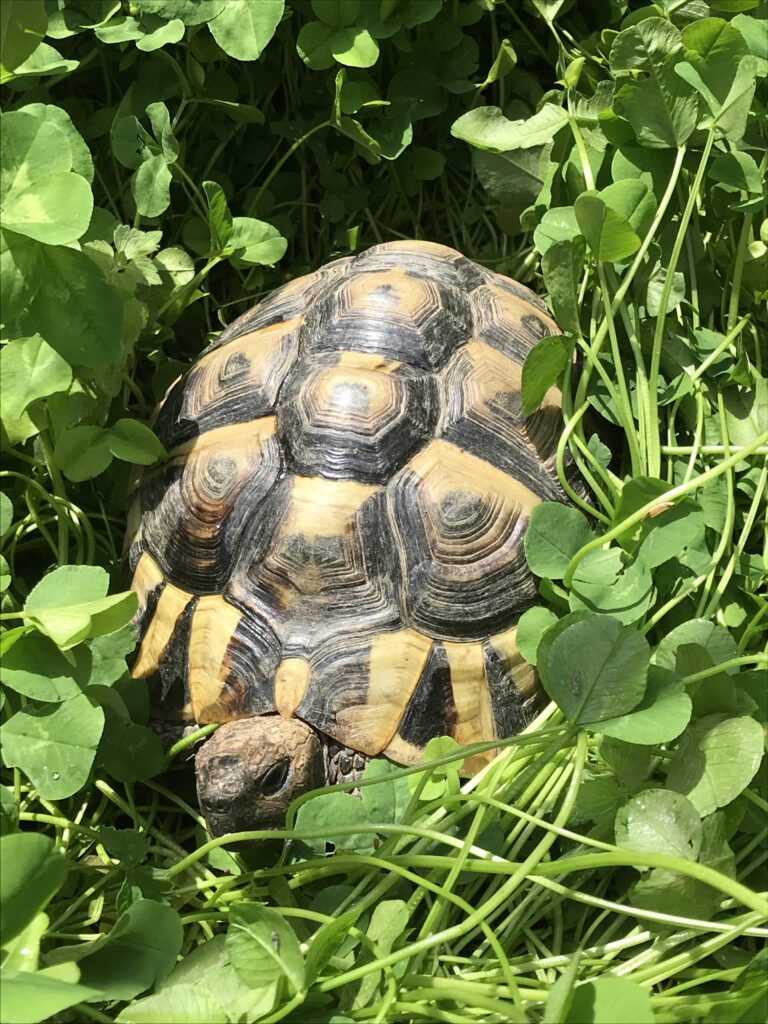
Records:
x=217, y=805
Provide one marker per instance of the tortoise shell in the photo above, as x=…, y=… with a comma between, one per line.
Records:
x=337, y=531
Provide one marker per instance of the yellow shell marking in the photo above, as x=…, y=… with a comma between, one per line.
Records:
x=474, y=716
x=323, y=508
x=327, y=395
x=270, y=351
x=291, y=680
x=390, y=295
x=420, y=245
x=396, y=663
x=170, y=605
x=458, y=470
x=213, y=624
x=402, y=752
x=507, y=310
x=492, y=372
x=227, y=437
x=522, y=674
x=146, y=578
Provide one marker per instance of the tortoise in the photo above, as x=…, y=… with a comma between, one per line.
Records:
x=330, y=560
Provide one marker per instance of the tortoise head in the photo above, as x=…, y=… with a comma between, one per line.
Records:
x=251, y=769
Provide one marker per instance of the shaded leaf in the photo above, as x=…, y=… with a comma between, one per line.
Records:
x=562, y=266
x=594, y=669
x=530, y=628
x=604, y=581
x=659, y=821
x=662, y=110
x=610, y=1000
x=32, y=150
x=151, y=186
x=76, y=311
x=166, y=33
x=558, y=224
x=263, y=947
x=255, y=241
x=134, y=442
x=649, y=44
x=55, y=209
x=55, y=745
x=715, y=639
x=488, y=128
x=329, y=809
x=32, y=872
x=706, y=770
x=35, y=667
x=82, y=452
x=608, y=233
x=139, y=951
x=219, y=217
x=355, y=47
x=28, y=997
x=661, y=715
x=22, y=27
x=31, y=370
x=182, y=1004
x=555, y=533
x=20, y=263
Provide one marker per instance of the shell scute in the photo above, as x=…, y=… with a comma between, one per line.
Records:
x=198, y=504
x=360, y=686
x=232, y=384
x=233, y=657
x=394, y=313
x=460, y=524
x=286, y=303
x=511, y=322
x=481, y=412
x=355, y=415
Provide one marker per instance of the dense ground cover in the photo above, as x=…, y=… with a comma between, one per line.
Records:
x=165, y=164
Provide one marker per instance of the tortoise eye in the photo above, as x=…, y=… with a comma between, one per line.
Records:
x=275, y=778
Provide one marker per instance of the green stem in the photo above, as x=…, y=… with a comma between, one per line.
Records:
x=738, y=270
x=60, y=491
x=706, y=449
x=624, y=405
x=671, y=495
x=630, y=858
x=500, y=897
x=714, y=601
x=730, y=515
x=185, y=290
x=187, y=741
x=654, y=453
x=727, y=342
x=286, y=156
x=726, y=666
x=626, y=281
x=569, y=429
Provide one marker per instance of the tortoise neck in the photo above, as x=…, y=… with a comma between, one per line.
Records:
x=342, y=764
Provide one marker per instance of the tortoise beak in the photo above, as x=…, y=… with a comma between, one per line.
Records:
x=223, y=789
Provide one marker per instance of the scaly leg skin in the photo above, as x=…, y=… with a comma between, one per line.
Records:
x=345, y=764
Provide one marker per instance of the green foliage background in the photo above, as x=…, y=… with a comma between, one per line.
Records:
x=165, y=164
